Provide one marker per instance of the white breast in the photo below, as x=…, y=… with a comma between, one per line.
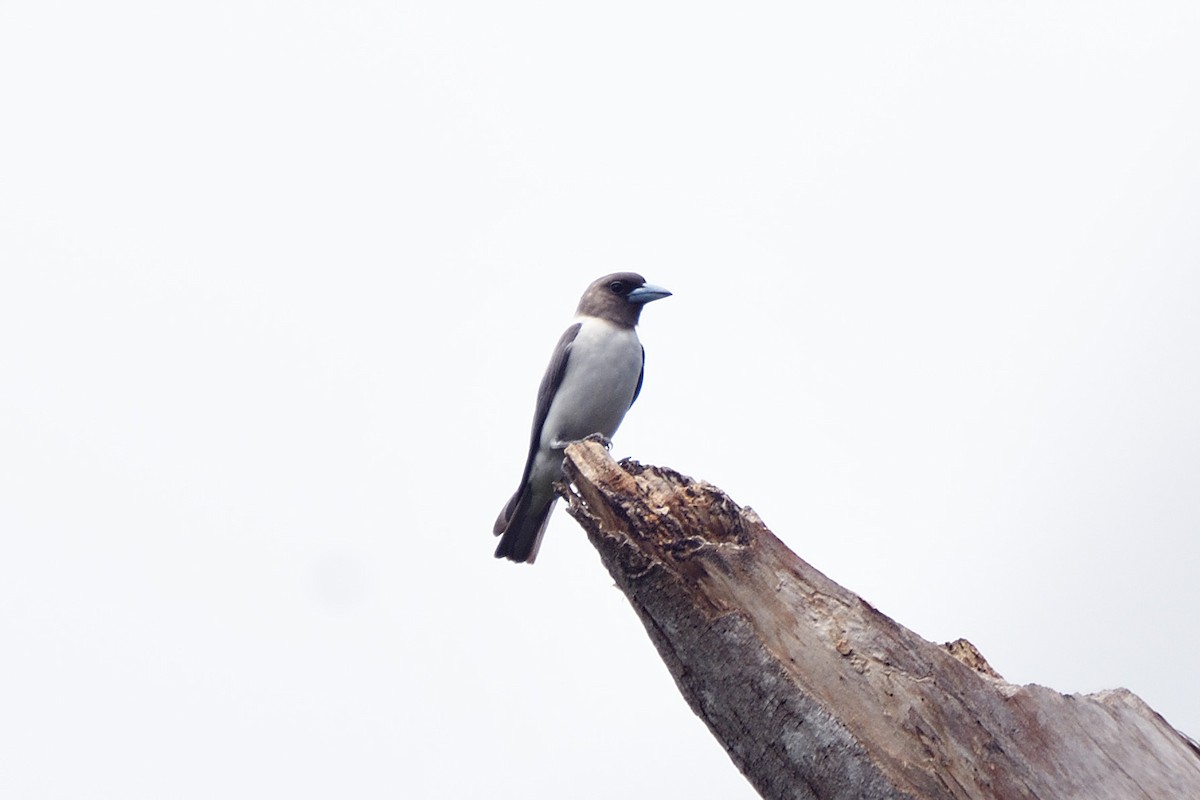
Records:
x=596, y=390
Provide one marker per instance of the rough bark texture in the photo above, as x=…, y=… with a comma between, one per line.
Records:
x=815, y=694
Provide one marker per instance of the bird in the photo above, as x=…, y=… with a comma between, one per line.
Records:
x=594, y=375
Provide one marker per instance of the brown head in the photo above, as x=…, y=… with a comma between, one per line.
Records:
x=619, y=298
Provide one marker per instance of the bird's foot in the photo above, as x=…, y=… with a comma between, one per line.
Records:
x=601, y=438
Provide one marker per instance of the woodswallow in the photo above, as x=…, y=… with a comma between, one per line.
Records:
x=593, y=378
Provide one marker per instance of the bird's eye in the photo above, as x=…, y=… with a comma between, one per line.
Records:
x=617, y=287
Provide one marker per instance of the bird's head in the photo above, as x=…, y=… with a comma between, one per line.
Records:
x=619, y=297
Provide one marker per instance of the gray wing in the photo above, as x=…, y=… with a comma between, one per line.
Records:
x=546, y=391
x=641, y=374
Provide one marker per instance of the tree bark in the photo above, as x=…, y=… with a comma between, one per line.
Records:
x=816, y=694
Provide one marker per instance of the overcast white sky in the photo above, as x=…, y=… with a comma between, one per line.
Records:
x=280, y=279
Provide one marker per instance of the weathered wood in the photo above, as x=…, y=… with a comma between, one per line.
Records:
x=816, y=694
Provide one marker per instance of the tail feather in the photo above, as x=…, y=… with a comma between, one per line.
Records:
x=506, y=513
x=521, y=527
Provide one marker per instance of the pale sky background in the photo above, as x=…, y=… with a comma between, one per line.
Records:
x=280, y=280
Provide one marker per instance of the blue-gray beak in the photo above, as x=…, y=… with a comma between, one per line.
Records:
x=647, y=292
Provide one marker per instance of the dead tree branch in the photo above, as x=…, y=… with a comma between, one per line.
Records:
x=816, y=694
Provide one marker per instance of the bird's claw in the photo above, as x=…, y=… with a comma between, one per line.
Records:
x=601, y=438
